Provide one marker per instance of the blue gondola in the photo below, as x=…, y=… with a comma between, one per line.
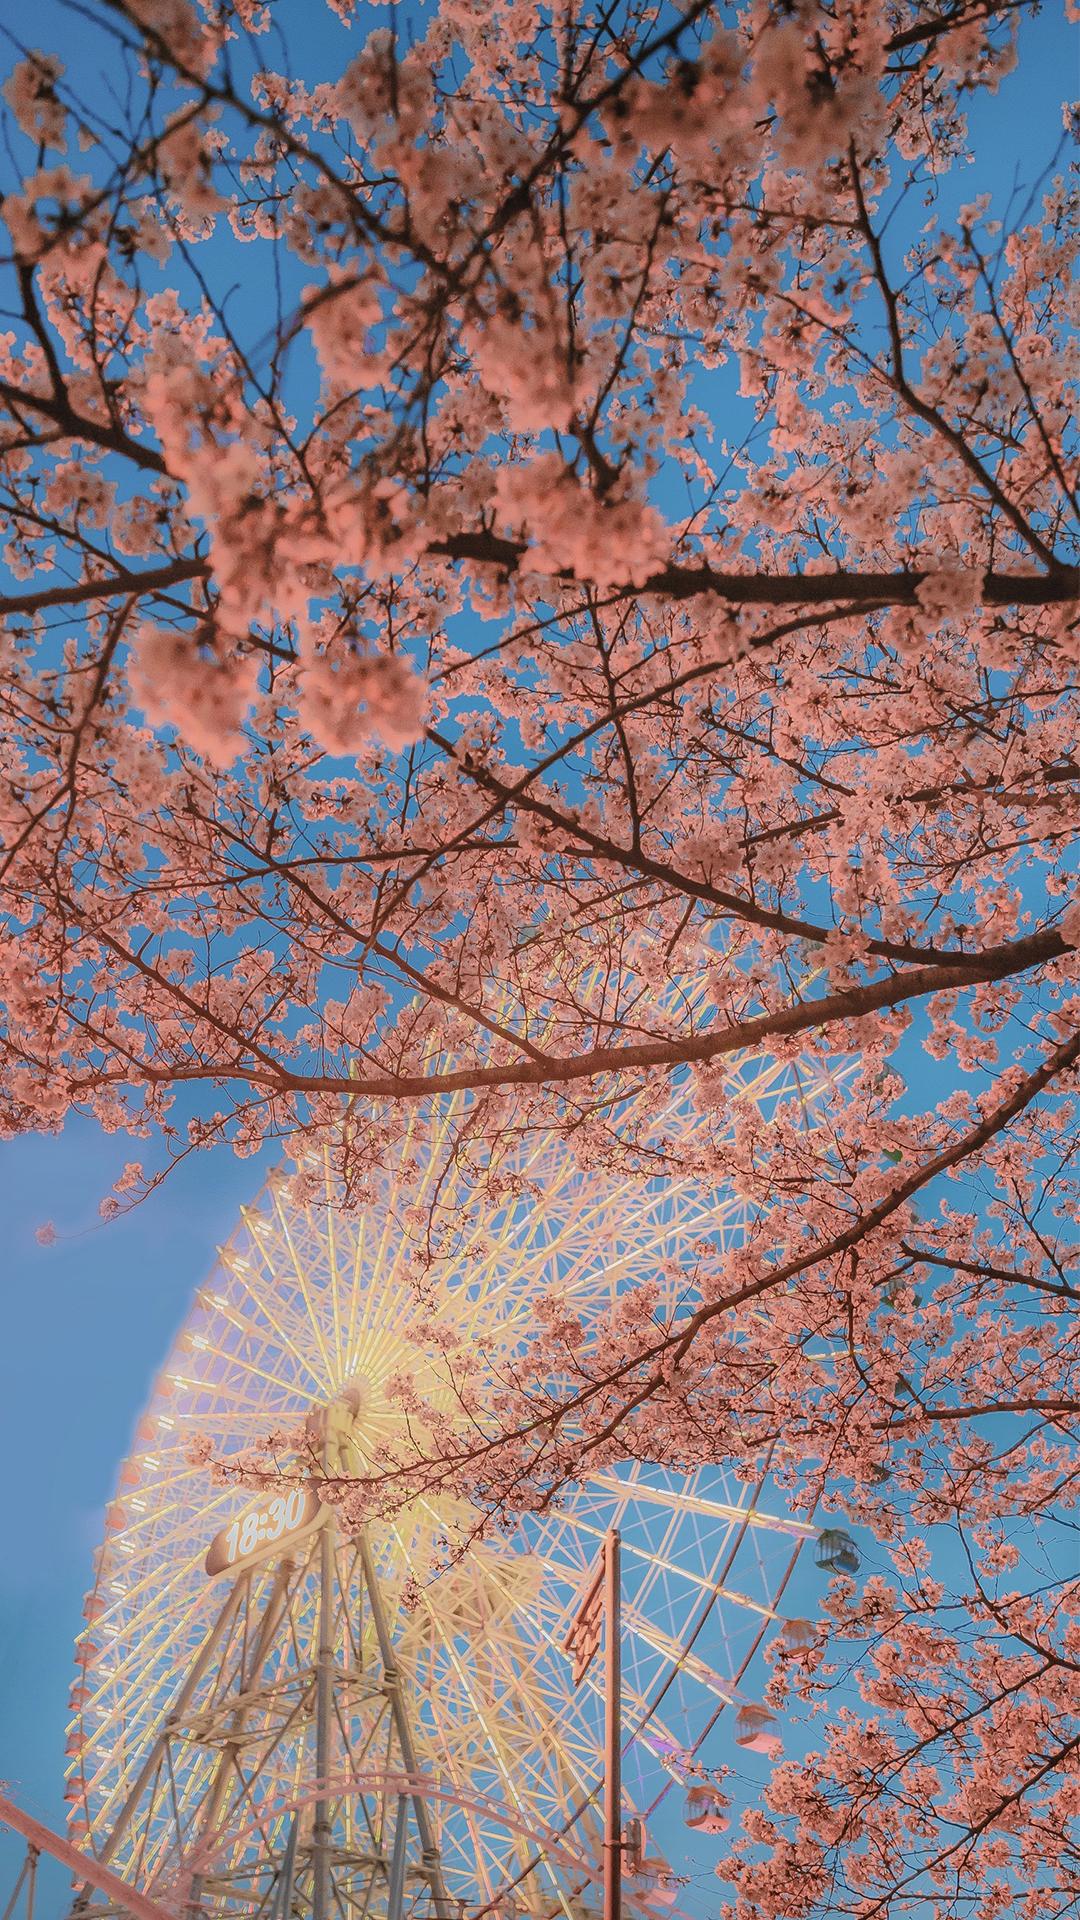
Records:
x=836, y=1551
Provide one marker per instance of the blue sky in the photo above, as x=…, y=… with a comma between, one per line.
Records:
x=87, y=1321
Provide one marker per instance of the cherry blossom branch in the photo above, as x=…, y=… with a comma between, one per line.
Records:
x=969, y=1410
x=663, y=1356
x=135, y=584
x=944, y=23
x=980, y=1269
x=682, y=581
x=742, y=1036
x=1050, y=1763
x=634, y=858
x=66, y=788
x=930, y=415
x=57, y=407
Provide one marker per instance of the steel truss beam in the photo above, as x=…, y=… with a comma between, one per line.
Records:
x=260, y=1706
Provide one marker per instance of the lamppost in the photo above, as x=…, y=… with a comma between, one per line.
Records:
x=598, y=1618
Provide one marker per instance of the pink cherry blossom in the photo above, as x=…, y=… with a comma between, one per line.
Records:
x=541, y=572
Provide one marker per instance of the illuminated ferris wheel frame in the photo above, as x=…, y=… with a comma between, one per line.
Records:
x=305, y=1302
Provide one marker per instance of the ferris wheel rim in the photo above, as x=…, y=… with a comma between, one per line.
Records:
x=673, y=1662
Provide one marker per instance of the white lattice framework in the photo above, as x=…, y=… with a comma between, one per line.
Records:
x=192, y=1757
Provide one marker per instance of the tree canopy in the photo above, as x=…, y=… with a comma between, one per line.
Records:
x=540, y=563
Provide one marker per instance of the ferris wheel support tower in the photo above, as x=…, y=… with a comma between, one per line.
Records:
x=332, y=1695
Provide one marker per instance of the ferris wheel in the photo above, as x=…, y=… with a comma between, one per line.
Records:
x=276, y=1712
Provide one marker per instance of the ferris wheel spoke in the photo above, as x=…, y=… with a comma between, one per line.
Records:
x=527, y=1701
x=693, y=1577
x=302, y=1279
x=753, y=1516
x=531, y=1661
x=435, y=1700
x=268, y=1326
x=336, y=1288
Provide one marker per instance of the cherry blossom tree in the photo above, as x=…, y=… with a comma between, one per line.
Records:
x=539, y=510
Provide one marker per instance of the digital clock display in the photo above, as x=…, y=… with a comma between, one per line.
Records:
x=270, y=1520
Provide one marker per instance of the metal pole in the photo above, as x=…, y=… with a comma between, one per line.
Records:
x=612, y=1733
x=170, y=1720
x=31, y=1853
x=392, y=1678
x=283, y=1892
x=324, y=1707
x=214, y=1801
x=395, y=1904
